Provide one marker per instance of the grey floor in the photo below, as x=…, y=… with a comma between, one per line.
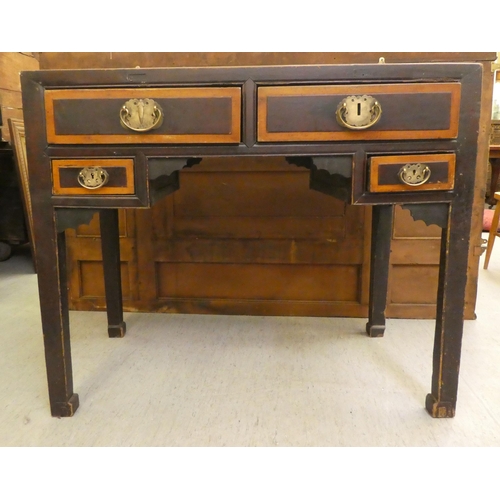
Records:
x=196, y=380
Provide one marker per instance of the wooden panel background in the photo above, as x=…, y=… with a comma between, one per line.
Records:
x=243, y=236
x=11, y=63
x=250, y=237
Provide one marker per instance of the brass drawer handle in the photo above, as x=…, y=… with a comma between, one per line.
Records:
x=358, y=112
x=141, y=115
x=93, y=177
x=415, y=174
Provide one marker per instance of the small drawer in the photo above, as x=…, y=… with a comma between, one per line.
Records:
x=431, y=172
x=358, y=112
x=155, y=115
x=93, y=177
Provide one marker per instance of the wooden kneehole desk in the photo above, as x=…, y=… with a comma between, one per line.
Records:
x=377, y=135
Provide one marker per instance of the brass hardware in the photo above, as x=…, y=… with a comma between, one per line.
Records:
x=358, y=112
x=415, y=174
x=93, y=177
x=141, y=115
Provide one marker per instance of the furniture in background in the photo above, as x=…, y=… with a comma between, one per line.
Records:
x=493, y=195
x=12, y=223
x=375, y=135
x=11, y=64
x=13, y=230
x=493, y=233
x=18, y=141
x=494, y=158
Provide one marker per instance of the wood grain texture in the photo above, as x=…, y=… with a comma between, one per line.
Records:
x=454, y=210
x=78, y=60
x=384, y=170
x=117, y=167
x=240, y=233
x=10, y=99
x=107, y=60
x=85, y=273
x=409, y=111
x=179, y=230
x=479, y=191
x=415, y=246
x=92, y=115
x=11, y=63
x=7, y=114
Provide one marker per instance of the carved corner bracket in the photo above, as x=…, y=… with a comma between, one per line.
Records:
x=430, y=213
x=164, y=175
x=71, y=218
x=331, y=175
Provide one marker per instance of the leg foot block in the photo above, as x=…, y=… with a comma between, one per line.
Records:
x=439, y=409
x=119, y=330
x=66, y=409
x=375, y=330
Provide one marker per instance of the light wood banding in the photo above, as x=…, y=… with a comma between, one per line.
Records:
x=409, y=111
x=120, y=170
x=192, y=116
x=384, y=173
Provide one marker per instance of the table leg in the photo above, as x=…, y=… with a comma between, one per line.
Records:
x=495, y=173
x=110, y=241
x=52, y=285
x=382, y=217
x=449, y=318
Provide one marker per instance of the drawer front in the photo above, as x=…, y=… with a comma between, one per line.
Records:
x=397, y=111
x=432, y=172
x=120, y=116
x=93, y=177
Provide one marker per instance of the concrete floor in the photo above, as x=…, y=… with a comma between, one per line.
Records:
x=196, y=380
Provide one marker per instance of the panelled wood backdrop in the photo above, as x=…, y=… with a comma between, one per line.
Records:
x=251, y=237
x=11, y=63
x=12, y=214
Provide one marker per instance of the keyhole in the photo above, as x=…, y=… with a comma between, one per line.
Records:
x=359, y=108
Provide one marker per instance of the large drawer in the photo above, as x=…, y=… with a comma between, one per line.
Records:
x=156, y=115
x=398, y=111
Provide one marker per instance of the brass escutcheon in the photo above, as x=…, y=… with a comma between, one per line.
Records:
x=415, y=174
x=141, y=115
x=358, y=112
x=92, y=177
